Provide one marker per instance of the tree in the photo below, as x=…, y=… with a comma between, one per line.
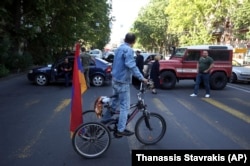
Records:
x=151, y=27
x=199, y=21
x=45, y=28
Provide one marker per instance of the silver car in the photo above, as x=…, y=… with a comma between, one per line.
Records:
x=240, y=72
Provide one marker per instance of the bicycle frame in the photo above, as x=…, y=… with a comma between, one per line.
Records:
x=139, y=106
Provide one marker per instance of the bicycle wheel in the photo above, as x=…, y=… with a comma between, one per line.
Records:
x=91, y=139
x=89, y=116
x=151, y=136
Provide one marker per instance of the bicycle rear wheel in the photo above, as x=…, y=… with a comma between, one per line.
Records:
x=155, y=133
x=91, y=139
x=90, y=116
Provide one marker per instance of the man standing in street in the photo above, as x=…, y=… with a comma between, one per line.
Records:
x=139, y=63
x=204, y=65
x=124, y=66
x=86, y=58
x=66, y=71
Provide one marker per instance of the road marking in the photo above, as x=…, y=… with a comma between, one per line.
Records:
x=241, y=142
x=244, y=102
x=26, y=151
x=161, y=106
x=28, y=104
x=184, y=128
x=227, y=109
x=239, y=88
x=63, y=104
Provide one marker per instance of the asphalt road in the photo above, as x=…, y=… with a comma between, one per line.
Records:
x=35, y=122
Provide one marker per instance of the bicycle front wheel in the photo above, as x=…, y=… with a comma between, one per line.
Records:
x=150, y=128
x=91, y=139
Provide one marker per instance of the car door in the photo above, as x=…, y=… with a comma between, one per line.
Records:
x=189, y=63
x=57, y=72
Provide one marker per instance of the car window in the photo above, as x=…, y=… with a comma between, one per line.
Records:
x=193, y=55
x=92, y=62
x=179, y=52
x=219, y=55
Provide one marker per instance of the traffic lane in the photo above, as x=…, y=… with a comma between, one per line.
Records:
x=195, y=123
x=226, y=113
x=36, y=124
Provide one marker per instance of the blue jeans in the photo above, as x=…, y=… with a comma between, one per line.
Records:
x=202, y=77
x=121, y=103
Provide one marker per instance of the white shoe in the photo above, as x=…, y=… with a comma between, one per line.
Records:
x=207, y=95
x=193, y=95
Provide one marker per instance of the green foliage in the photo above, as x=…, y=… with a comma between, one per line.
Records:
x=16, y=62
x=4, y=47
x=45, y=28
x=3, y=71
x=191, y=22
x=151, y=26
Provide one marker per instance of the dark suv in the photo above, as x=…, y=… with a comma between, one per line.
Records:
x=99, y=72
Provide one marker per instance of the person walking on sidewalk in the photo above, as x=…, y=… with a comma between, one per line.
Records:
x=204, y=65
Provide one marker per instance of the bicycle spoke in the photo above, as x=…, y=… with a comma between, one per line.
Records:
x=91, y=139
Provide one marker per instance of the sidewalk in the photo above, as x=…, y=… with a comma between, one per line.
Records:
x=12, y=75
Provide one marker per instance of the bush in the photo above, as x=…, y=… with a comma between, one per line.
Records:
x=3, y=71
x=17, y=62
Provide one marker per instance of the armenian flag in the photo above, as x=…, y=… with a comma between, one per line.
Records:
x=78, y=88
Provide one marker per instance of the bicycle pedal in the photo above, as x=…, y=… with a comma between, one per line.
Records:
x=117, y=136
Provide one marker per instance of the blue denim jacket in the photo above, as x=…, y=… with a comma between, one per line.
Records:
x=124, y=65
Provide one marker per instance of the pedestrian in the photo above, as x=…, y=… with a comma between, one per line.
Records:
x=86, y=59
x=66, y=69
x=204, y=65
x=139, y=63
x=155, y=73
x=124, y=66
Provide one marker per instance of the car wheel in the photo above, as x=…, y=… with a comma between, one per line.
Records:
x=233, y=78
x=168, y=80
x=41, y=79
x=218, y=81
x=98, y=80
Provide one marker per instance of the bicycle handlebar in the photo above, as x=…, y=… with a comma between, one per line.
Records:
x=143, y=87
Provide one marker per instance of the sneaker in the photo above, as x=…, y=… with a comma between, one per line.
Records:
x=193, y=95
x=207, y=95
x=124, y=133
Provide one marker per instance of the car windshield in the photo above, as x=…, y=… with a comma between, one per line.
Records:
x=179, y=52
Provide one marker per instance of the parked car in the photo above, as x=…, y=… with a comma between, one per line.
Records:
x=240, y=72
x=96, y=53
x=183, y=65
x=99, y=72
x=109, y=55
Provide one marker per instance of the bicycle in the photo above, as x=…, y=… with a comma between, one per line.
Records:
x=92, y=139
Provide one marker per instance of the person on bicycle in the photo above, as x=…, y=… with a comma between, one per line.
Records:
x=124, y=66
